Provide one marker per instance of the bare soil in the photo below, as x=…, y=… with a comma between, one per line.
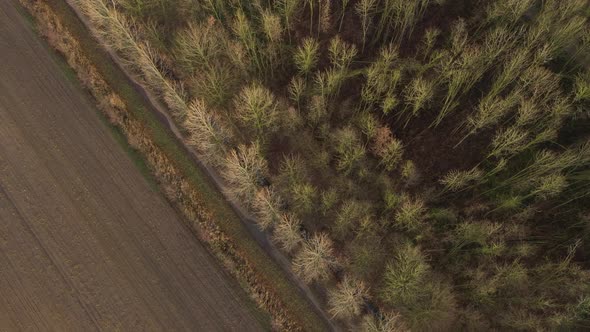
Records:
x=85, y=242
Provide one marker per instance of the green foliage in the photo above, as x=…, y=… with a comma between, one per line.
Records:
x=475, y=236
x=489, y=112
x=456, y=180
x=388, y=148
x=508, y=142
x=581, y=312
x=256, y=108
x=511, y=70
x=409, y=172
x=399, y=17
x=407, y=286
x=550, y=186
x=392, y=154
x=508, y=10
x=509, y=203
x=463, y=66
x=288, y=10
x=392, y=200
x=341, y=53
x=560, y=26
x=404, y=277
x=429, y=40
x=582, y=89
x=297, y=89
x=367, y=123
x=365, y=9
x=328, y=199
x=383, y=77
x=349, y=150
x=318, y=110
x=349, y=217
x=389, y=103
x=418, y=94
x=411, y=213
x=304, y=197
x=328, y=82
x=306, y=56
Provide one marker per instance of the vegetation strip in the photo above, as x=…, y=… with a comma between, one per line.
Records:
x=206, y=208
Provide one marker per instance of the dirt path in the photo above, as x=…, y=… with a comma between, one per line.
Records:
x=85, y=243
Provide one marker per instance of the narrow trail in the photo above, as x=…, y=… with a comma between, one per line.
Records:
x=246, y=218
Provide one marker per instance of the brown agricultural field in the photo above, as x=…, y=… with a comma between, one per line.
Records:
x=85, y=242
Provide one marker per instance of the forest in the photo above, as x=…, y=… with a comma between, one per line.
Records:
x=425, y=164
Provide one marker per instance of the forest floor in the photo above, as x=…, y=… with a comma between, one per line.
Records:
x=85, y=242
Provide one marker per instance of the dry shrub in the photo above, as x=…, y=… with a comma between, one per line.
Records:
x=245, y=170
x=287, y=233
x=316, y=260
x=206, y=132
x=267, y=205
x=347, y=300
x=388, y=322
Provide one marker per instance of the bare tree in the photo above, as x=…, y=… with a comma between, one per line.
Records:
x=346, y=301
x=287, y=233
x=267, y=206
x=316, y=259
x=206, y=132
x=256, y=108
x=245, y=170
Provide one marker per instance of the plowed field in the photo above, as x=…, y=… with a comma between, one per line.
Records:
x=85, y=242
